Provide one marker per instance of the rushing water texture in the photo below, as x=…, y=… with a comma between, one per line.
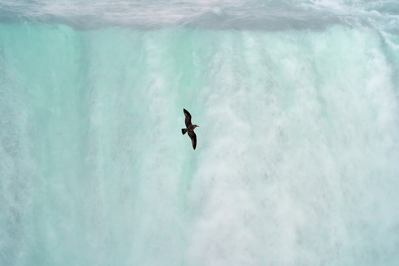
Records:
x=297, y=161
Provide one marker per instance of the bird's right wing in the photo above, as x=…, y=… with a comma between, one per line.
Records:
x=188, y=118
x=193, y=138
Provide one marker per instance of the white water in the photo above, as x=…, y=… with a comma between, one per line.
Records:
x=296, y=162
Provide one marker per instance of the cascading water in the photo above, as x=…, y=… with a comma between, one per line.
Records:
x=298, y=144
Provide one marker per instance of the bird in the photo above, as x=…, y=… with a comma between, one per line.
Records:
x=189, y=128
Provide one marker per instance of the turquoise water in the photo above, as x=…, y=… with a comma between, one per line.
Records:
x=298, y=144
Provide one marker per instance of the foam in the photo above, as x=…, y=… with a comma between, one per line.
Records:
x=296, y=162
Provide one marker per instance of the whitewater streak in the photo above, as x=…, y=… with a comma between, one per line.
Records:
x=296, y=161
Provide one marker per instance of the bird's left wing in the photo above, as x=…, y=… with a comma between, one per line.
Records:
x=188, y=118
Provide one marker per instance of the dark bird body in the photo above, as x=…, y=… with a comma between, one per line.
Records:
x=189, y=129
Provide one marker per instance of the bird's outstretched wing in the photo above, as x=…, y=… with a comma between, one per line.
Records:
x=188, y=118
x=193, y=138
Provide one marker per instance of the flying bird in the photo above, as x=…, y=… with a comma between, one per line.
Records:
x=189, y=128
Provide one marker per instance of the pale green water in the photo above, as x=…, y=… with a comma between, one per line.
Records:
x=296, y=162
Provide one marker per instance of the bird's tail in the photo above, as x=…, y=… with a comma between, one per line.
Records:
x=183, y=130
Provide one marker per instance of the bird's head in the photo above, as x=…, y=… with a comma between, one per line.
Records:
x=195, y=126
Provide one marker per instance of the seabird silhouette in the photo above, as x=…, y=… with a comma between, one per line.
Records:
x=189, y=128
